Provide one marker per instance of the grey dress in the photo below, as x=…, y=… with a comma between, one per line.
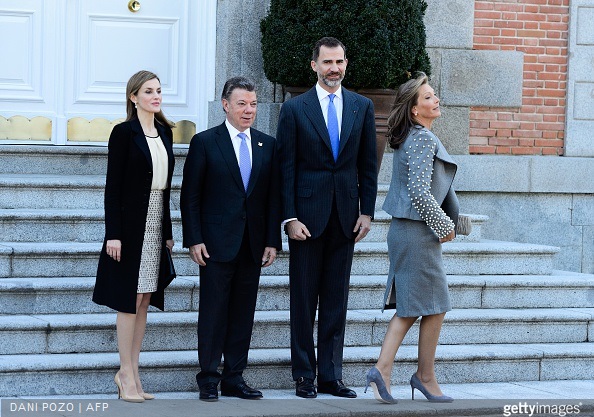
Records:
x=424, y=207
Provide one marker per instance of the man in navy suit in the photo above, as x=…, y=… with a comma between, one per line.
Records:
x=230, y=210
x=327, y=150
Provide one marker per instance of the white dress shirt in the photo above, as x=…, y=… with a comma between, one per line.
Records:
x=325, y=101
x=236, y=140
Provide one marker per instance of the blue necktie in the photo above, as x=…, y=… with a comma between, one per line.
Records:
x=333, y=127
x=245, y=165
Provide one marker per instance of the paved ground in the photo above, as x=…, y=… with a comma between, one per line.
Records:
x=547, y=398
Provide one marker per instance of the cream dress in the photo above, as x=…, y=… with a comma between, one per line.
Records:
x=150, y=259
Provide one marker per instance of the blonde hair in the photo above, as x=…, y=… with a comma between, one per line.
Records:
x=134, y=84
x=400, y=119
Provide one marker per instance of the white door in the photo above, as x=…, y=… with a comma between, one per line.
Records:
x=74, y=57
x=28, y=29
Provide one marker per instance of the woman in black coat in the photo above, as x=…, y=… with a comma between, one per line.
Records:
x=137, y=223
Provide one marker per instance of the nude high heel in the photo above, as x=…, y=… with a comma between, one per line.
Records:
x=121, y=393
x=143, y=394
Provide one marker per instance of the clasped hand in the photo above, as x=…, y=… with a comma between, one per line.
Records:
x=199, y=254
x=298, y=231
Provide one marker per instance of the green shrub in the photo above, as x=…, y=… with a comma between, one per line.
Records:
x=385, y=40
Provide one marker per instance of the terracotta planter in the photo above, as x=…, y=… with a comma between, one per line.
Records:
x=382, y=102
x=382, y=99
x=295, y=91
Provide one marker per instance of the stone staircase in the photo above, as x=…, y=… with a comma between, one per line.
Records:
x=514, y=317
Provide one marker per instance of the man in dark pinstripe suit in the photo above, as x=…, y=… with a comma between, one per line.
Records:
x=327, y=150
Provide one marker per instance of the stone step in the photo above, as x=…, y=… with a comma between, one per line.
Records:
x=39, y=191
x=64, y=160
x=488, y=257
x=505, y=326
x=87, y=225
x=61, y=333
x=57, y=295
x=166, y=371
x=30, y=163
x=382, y=190
x=558, y=290
x=19, y=191
x=92, y=160
x=52, y=225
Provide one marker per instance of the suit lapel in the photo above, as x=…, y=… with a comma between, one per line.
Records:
x=223, y=140
x=349, y=112
x=257, y=150
x=140, y=140
x=313, y=111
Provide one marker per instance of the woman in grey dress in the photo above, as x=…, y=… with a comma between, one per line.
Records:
x=424, y=210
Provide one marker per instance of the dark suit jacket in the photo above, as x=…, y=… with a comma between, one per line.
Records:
x=310, y=176
x=127, y=192
x=215, y=207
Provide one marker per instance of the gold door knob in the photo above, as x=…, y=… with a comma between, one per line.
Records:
x=133, y=6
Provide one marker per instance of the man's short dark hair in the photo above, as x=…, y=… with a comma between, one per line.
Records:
x=242, y=83
x=328, y=42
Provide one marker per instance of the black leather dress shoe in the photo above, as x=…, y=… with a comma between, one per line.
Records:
x=240, y=390
x=304, y=388
x=209, y=392
x=336, y=388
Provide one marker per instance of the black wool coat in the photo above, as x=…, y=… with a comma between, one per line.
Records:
x=127, y=192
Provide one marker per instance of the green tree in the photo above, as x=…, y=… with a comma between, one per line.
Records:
x=385, y=40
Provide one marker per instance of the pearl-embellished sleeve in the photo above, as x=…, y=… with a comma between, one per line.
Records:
x=420, y=154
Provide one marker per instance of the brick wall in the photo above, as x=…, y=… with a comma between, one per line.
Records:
x=539, y=29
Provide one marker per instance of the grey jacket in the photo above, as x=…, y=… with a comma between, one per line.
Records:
x=421, y=186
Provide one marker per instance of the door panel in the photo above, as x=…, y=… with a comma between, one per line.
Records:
x=26, y=79
x=111, y=43
x=70, y=61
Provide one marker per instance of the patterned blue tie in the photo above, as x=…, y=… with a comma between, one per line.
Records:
x=245, y=165
x=333, y=127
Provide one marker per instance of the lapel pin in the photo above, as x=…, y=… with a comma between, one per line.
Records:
x=259, y=143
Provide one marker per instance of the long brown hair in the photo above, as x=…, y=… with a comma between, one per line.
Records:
x=400, y=119
x=134, y=83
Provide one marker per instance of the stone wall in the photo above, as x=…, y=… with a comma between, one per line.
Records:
x=239, y=53
x=580, y=91
x=533, y=199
